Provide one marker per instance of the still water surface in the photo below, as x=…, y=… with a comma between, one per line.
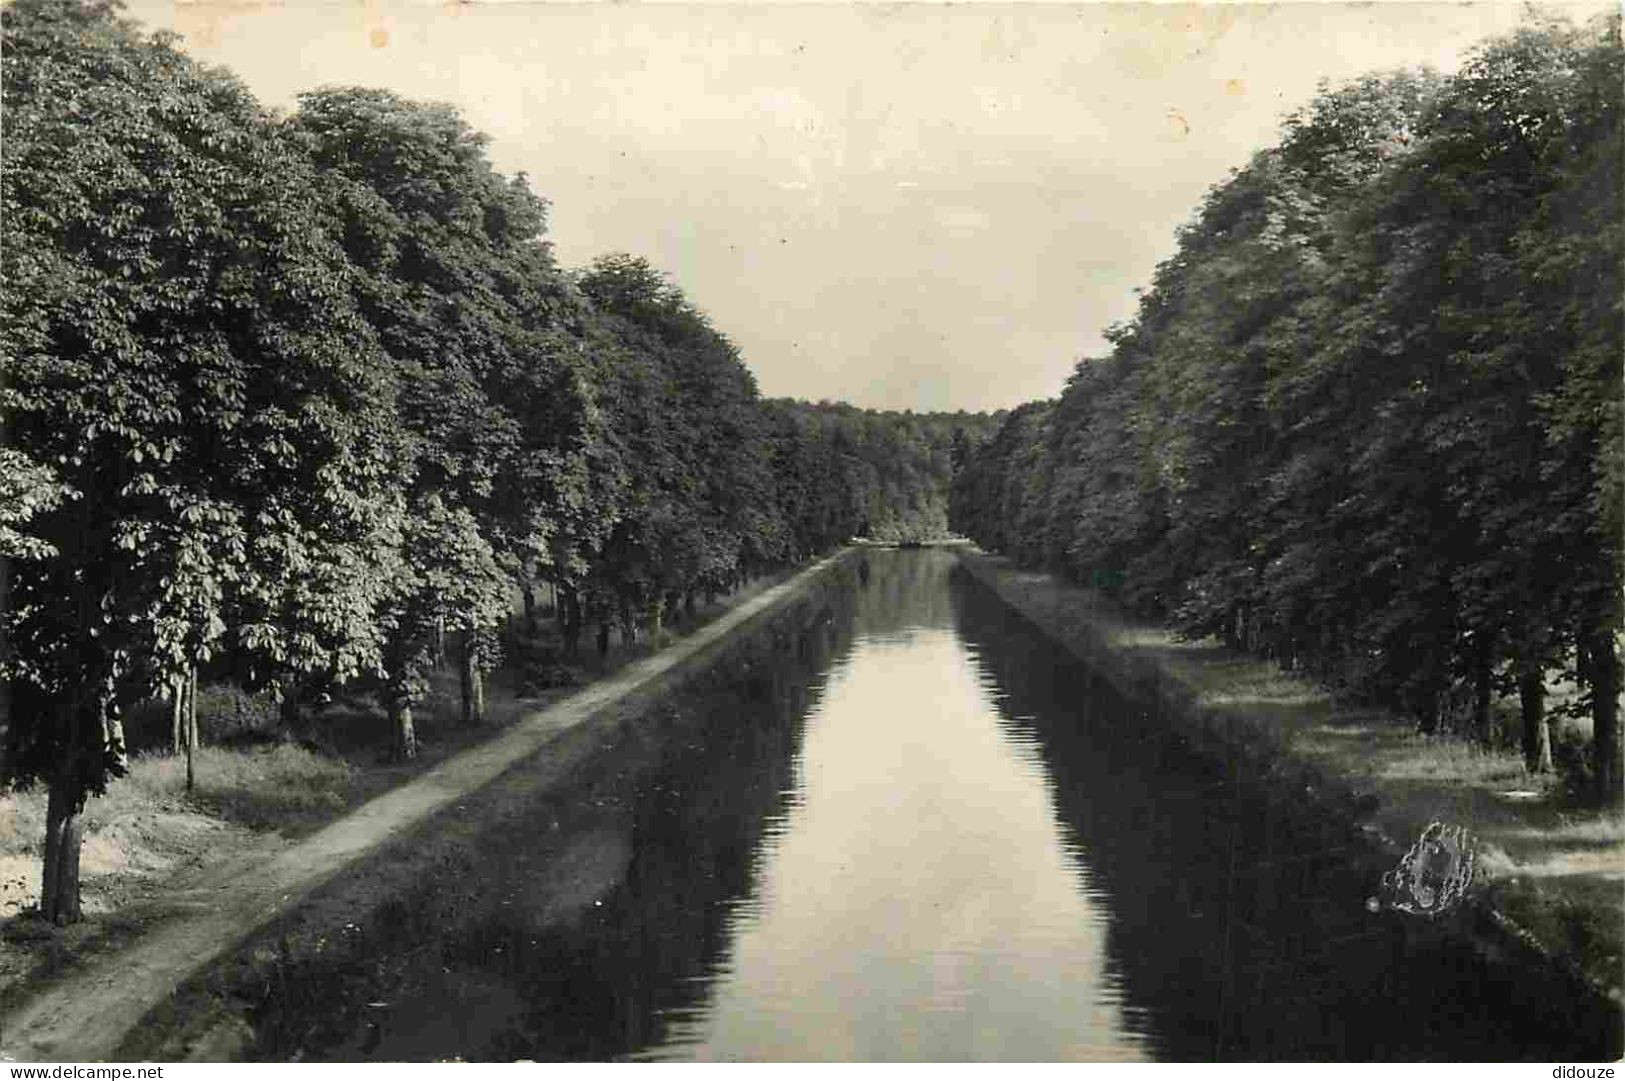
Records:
x=916, y=898
x=921, y=832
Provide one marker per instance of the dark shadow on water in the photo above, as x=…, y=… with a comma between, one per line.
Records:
x=1239, y=925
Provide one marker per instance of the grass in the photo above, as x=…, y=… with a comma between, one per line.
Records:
x=251, y=781
x=1608, y=829
x=262, y=788
x=256, y=788
x=1262, y=686
x=1450, y=760
x=1576, y=919
x=279, y=787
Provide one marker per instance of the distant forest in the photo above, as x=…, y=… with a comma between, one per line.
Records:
x=1368, y=418
x=296, y=399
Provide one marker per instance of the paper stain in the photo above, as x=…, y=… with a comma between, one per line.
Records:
x=1158, y=40
x=375, y=24
x=200, y=23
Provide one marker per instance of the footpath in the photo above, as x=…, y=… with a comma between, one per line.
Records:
x=1548, y=875
x=86, y=1016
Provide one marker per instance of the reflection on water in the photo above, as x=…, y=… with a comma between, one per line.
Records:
x=1238, y=923
x=912, y=829
x=916, y=899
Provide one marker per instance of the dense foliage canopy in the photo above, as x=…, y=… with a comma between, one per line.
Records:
x=1368, y=419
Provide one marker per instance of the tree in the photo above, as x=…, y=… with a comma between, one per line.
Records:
x=684, y=411
x=1368, y=417
x=464, y=295
x=181, y=348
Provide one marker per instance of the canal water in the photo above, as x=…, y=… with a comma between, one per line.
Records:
x=920, y=831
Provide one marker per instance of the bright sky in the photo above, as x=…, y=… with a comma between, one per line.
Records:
x=900, y=206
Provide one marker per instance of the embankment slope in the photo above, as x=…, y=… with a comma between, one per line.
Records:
x=87, y=1015
x=1551, y=877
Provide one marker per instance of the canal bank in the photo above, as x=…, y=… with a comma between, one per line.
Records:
x=369, y=856
x=894, y=822
x=1548, y=888
x=902, y=823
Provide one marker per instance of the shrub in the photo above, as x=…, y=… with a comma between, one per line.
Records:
x=228, y=714
x=545, y=670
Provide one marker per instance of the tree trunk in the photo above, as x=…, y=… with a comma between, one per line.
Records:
x=64, y=833
x=190, y=723
x=400, y=723
x=569, y=610
x=5, y=640
x=177, y=716
x=465, y=680
x=473, y=684
x=1482, y=656
x=688, y=606
x=1325, y=657
x=288, y=710
x=116, y=749
x=191, y=708
x=1427, y=715
x=1286, y=652
x=1603, y=666
x=603, y=639
x=1537, y=739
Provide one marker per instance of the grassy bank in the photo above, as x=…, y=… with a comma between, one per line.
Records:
x=154, y=850
x=1550, y=872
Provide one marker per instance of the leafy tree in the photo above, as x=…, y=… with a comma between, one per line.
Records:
x=1368, y=417
x=181, y=349
x=980, y=489
x=477, y=320
x=684, y=410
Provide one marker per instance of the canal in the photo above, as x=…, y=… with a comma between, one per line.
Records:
x=911, y=828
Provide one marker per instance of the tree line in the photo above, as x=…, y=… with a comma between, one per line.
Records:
x=1367, y=418
x=296, y=400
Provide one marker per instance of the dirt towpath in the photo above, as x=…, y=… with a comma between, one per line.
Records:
x=84, y=1018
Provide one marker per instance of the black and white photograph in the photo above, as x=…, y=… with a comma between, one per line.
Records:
x=811, y=532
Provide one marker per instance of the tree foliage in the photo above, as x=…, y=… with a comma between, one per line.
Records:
x=182, y=353
x=1367, y=419
x=295, y=400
